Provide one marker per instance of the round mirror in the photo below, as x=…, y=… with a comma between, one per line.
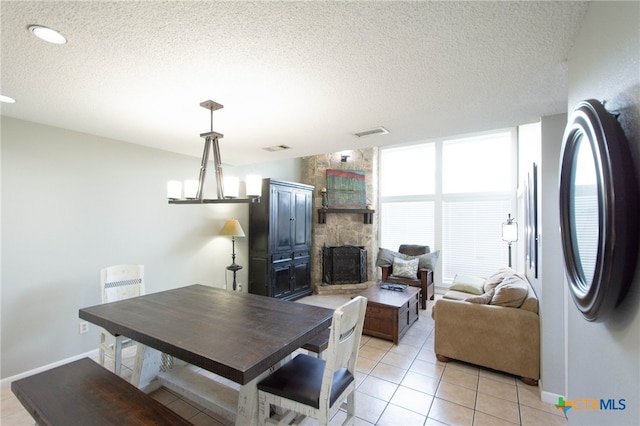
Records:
x=584, y=208
x=598, y=210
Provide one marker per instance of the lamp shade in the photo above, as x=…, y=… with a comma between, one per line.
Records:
x=254, y=185
x=190, y=188
x=510, y=230
x=232, y=228
x=174, y=189
x=231, y=187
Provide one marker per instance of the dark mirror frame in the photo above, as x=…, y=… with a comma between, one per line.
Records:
x=618, y=213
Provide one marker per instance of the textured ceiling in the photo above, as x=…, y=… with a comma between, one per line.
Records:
x=304, y=74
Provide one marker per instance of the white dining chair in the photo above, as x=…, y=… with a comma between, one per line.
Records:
x=118, y=282
x=314, y=387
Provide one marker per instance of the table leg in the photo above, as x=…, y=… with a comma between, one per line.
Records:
x=247, y=413
x=146, y=369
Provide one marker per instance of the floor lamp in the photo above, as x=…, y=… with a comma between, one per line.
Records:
x=233, y=229
x=510, y=233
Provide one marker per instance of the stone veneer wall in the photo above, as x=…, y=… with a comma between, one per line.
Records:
x=342, y=229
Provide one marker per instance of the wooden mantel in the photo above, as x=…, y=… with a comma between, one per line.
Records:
x=367, y=214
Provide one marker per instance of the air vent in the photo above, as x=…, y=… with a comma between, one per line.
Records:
x=276, y=148
x=376, y=131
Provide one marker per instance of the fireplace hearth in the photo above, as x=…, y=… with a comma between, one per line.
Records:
x=344, y=265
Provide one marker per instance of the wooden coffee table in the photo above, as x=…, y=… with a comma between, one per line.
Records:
x=390, y=313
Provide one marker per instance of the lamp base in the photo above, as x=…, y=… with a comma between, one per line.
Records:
x=235, y=268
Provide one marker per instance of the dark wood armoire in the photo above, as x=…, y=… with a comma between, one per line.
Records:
x=280, y=240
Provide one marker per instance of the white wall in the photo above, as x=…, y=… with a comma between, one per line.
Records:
x=73, y=203
x=551, y=276
x=603, y=359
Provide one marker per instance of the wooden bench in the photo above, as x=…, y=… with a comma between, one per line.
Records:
x=318, y=344
x=85, y=393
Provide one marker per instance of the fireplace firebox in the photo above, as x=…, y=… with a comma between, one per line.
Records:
x=344, y=265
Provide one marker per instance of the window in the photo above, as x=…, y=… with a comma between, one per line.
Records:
x=407, y=185
x=452, y=195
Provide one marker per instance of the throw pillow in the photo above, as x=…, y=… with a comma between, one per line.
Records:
x=428, y=260
x=468, y=284
x=405, y=268
x=483, y=299
x=511, y=292
x=494, y=280
x=386, y=256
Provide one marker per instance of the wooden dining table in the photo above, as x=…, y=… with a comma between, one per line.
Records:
x=238, y=336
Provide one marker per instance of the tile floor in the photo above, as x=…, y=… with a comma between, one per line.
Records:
x=397, y=385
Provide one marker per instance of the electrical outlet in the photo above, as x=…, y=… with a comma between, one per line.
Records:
x=84, y=327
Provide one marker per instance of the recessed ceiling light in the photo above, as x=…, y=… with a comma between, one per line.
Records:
x=7, y=99
x=47, y=34
x=276, y=148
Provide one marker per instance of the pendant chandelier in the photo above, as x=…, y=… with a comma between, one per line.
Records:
x=193, y=190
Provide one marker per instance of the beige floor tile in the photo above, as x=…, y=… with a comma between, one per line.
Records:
x=532, y=417
x=498, y=376
x=372, y=353
x=413, y=400
x=467, y=368
x=406, y=350
x=460, y=377
x=369, y=408
x=163, y=396
x=378, y=388
x=433, y=422
x=380, y=344
x=427, y=368
x=498, y=407
x=365, y=365
x=12, y=411
x=360, y=376
x=415, y=341
x=530, y=396
x=201, y=419
x=450, y=413
x=392, y=413
x=218, y=418
x=499, y=389
x=388, y=372
x=398, y=360
x=427, y=354
x=482, y=419
x=183, y=408
x=457, y=394
x=421, y=383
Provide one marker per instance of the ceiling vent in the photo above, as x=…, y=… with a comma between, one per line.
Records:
x=276, y=148
x=376, y=131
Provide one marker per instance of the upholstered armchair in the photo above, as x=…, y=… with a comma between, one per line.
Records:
x=414, y=266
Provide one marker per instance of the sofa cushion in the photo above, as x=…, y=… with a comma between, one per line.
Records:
x=483, y=299
x=496, y=278
x=468, y=283
x=511, y=292
x=531, y=302
x=405, y=268
x=456, y=295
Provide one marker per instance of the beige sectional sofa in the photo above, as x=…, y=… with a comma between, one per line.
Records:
x=490, y=322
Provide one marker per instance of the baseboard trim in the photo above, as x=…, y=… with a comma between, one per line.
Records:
x=5, y=384
x=549, y=397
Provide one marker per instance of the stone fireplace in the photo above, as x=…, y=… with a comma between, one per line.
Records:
x=344, y=228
